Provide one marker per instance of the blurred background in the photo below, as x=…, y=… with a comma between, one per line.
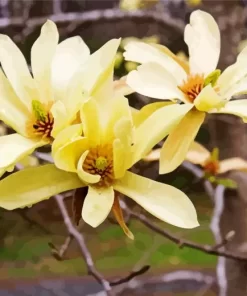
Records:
x=26, y=264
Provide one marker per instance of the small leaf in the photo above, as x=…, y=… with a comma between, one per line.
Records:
x=228, y=183
x=212, y=78
x=77, y=203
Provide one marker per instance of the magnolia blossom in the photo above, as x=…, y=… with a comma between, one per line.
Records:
x=98, y=153
x=197, y=84
x=40, y=105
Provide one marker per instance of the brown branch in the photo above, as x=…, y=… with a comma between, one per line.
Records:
x=95, y=15
x=132, y=275
x=212, y=250
x=84, y=250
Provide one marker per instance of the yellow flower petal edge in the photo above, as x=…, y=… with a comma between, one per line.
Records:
x=179, y=140
x=33, y=185
x=160, y=124
x=14, y=147
x=165, y=202
x=97, y=205
x=197, y=154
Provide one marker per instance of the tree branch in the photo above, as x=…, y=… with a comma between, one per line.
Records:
x=84, y=250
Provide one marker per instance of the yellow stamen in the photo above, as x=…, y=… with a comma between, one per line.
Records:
x=193, y=86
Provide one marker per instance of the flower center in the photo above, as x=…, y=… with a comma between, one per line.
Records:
x=211, y=167
x=42, y=122
x=99, y=161
x=193, y=86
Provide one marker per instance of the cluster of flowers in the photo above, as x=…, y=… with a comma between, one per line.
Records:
x=72, y=103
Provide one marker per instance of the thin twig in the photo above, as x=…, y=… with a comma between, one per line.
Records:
x=84, y=250
x=185, y=243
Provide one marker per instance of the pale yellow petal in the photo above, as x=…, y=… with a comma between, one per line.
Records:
x=67, y=135
x=236, y=89
x=165, y=202
x=208, y=99
x=33, y=185
x=147, y=110
x=66, y=158
x=235, y=163
x=122, y=146
x=14, y=147
x=202, y=36
x=121, y=88
x=197, y=154
x=153, y=80
x=184, y=64
x=16, y=69
x=176, y=146
x=156, y=127
x=42, y=53
x=233, y=74
x=236, y=107
x=12, y=111
x=91, y=122
x=70, y=55
x=61, y=118
x=97, y=205
x=116, y=110
x=154, y=155
x=98, y=71
x=83, y=175
x=141, y=52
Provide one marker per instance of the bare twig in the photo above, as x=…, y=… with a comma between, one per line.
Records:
x=186, y=243
x=84, y=250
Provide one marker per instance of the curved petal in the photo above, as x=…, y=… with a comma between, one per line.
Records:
x=197, y=154
x=69, y=56
x=14, y=147
x=235, y=163
x=202, y=36
x=233, y=74
x=147, y=110
x=208, y=99
x=61, y=118
x=12, y=111
x=183, y=63
x=154, y=155
x=42, y=54
x=33, y=185
x=162, y=122
x=15, y=68
x=154, y=81
x=141, y=52
x=98, y=71
x=67, y=135
x=97, y=205
x=116, y=110
x=236, y=89
x=175, y=148
x=117, y=211
x=236, y=107
x=165, y=202
x=121, y=88
x=91, y=122
x=83, y=175
x=122, y=147
x=66, y=158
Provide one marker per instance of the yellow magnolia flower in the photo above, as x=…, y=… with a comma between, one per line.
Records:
x=99, y=159
x=39, y=106
x=198, y=85
x=209, y=161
